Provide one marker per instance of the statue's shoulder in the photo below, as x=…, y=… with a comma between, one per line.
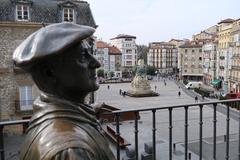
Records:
x=58, y=136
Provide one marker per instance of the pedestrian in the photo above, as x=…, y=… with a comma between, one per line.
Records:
x=155, y=88
x=108, y=87
x=179, y=93
x=165, y=83
x=196, y=99
x=120, y=91
x=124, y=93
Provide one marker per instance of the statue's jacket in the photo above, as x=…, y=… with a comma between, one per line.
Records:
x=61, y=130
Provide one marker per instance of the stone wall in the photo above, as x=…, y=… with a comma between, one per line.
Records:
x=11, y=36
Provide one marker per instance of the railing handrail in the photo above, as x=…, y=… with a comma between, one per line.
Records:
x=172, y=106
x=15, y=122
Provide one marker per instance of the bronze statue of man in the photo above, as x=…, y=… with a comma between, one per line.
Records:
x=60, y=61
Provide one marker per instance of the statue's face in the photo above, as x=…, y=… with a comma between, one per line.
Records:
x=77, y=74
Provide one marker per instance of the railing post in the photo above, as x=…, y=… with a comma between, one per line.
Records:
x=118, y=135
x=227, y=133
x=200, y=130
x=1, y=143
x=170, y=133
x=214, y=129
x=186, y=132
x=154, y=134
x=136, y=134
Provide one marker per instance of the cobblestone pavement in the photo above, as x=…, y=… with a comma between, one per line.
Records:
x=168, y=96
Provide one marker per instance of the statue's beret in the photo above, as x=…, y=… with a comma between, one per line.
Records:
x=50, y=40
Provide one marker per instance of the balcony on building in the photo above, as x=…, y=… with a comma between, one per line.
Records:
x=221, y=67
x=222, y=57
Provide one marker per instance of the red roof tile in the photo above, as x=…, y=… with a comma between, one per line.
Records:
x=114, y=50
x=101, y=44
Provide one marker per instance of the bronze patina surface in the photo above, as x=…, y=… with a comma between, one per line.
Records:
x=59, y=58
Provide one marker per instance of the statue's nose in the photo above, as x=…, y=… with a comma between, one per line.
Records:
x=94, y=63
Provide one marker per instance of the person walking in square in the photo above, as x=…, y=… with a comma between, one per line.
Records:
x=196, y=99
x=179, y=93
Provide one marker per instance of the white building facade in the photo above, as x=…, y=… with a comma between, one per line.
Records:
x=209, y=62
x=127, y=45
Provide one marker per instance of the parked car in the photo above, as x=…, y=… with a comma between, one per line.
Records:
x=192, y=85
x=232, y=95
x=149, y=77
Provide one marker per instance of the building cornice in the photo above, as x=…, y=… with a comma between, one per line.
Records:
x=21, y=24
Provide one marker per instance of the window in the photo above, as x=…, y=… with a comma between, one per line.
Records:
x=68, y=15
x=26, y=99
x=128, y=51
x=128, y=56
x=22, y=12
x=129, y=63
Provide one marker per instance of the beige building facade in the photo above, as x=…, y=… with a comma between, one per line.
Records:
x=191, y=61
x=224, y=54
x=209, y=51
x=234, y=78
x=163, y=56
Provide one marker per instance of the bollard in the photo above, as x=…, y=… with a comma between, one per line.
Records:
x=174, y=146
x=147, y=154
x=189, y=156
x=130, y=154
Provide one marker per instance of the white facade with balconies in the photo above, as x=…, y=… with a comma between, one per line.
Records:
x=127, y=45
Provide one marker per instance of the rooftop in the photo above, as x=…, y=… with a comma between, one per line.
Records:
x=124, y=36
x=228, y=20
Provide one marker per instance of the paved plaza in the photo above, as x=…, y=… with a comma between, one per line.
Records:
x=168, y=96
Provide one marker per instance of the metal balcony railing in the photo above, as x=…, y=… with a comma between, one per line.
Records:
x=185, y=107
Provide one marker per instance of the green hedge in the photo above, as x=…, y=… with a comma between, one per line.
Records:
x=202, y=92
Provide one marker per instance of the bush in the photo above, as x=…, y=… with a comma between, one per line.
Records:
x=185, y=81
x=100, y=73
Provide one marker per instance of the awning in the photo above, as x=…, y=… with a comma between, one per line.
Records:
x=216, y=82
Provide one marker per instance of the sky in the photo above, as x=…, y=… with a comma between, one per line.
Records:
x=158, y=20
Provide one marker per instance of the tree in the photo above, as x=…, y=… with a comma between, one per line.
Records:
x=151, y=70
x=100, y=73
x=142, y=51
x=111, y=73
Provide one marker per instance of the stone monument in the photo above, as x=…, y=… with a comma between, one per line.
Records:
x=140, y=86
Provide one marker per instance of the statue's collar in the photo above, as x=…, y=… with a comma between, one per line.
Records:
x=51, y=107
x=47, y=98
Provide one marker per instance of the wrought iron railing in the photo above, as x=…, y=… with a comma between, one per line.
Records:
x=170, y=109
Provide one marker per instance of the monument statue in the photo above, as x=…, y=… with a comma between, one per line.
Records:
x=60, y=61
x=140, y=86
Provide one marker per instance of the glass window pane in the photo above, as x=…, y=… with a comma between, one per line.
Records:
x=19, y=7
x=25, y=8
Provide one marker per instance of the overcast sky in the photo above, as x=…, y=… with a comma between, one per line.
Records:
x=158, y=20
